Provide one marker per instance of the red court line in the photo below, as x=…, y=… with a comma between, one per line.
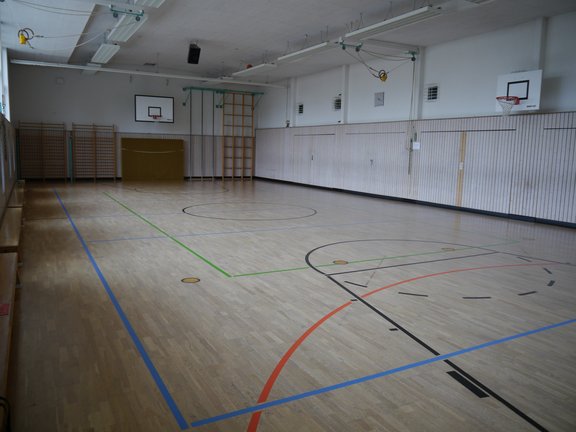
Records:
x=265, y=393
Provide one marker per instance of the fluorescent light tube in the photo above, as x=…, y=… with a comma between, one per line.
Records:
x=306, y=52
x=256, y=70
x=126, y=27
x=148, y=3
x=105, y=53
x=393, y=23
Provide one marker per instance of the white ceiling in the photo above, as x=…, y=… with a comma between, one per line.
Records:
x=232, y=33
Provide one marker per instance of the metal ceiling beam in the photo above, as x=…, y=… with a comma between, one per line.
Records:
x=143, y=73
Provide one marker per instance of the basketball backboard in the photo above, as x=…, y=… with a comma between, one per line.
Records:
x=523, y=85
x=154, y=109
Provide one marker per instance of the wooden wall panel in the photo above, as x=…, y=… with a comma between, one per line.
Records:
x=94, y=151
x=43, y=150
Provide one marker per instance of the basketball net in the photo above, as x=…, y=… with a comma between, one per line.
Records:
x=507, y=103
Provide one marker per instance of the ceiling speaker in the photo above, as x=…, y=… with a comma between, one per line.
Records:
x=193, y=54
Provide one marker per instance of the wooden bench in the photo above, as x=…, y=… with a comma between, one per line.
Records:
x=10, y=230
x=8, y=272
x=17, y=197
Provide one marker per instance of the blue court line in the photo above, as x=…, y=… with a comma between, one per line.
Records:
x=344, y=384
x=139, y=346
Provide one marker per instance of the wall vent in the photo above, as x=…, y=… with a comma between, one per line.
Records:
x=431, y=92
x=300, y=108
x=337, y=103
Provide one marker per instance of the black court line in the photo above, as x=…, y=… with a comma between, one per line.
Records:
x=311, y=211
x=410, y=264
x=523, y=259
x=477, y=298
x=468, y=130
x=468, y=384
x=375, y=133
x=319, y=134
x=528, y=293
x=356, y=284
x=413, y=294
x=546, y=270
x=552, y=282
x=530, y=257
x=419, y=341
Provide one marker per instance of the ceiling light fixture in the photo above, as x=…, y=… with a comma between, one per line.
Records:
x=126, y=26
x=148, y=3
x=104, y=53
x=306, y=52
x=412, y=17
x=255, y=70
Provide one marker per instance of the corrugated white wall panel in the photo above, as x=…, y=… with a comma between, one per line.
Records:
x=522, y=165
x=438, y=162
x=488, y=165
x=270, y=153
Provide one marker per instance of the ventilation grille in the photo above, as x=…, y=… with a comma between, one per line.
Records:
x=300, y=108
x=432, y=92
x=337, y=103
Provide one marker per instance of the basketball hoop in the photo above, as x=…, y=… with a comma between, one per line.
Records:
x=507, y=102
x=155, y=117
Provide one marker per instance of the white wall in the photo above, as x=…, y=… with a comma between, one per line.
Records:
x=273, y=107
x=466, y=71
x=317, y=93
x=68, y=96
x=397, y=92
x=559, y=86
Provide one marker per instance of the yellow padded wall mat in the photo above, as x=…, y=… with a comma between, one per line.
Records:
x=152, y=159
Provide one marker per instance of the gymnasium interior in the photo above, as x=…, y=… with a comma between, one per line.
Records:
x=282, y=216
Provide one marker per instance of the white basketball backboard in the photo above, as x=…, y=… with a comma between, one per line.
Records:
x=154, y=109
x=525, y=86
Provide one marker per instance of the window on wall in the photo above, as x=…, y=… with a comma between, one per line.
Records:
x=431, y=92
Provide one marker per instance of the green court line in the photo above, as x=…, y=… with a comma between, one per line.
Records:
x=175, y=240
x=225, y=273
x=373, y=259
